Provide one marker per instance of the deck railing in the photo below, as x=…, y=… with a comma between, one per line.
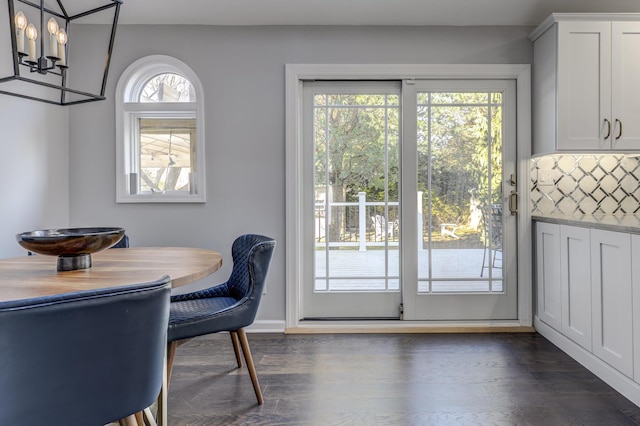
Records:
x=360, y=224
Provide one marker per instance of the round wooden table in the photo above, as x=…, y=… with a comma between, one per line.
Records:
x=32, y=276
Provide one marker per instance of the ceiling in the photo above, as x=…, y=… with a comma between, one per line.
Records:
x=358, y=12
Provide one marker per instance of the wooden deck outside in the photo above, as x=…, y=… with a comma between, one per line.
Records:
x=452, y=270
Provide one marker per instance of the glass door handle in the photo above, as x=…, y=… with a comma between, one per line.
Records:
x=513, y=202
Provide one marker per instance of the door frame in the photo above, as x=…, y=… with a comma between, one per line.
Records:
x=296, y=264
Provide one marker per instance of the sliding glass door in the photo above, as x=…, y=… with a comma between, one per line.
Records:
x=463, y=136
x=354, y=132
x=409, y=214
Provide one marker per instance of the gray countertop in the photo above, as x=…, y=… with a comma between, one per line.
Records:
x=621, y=223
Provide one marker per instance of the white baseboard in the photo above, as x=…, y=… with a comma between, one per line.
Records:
x=265, y=326
x=310, y=327
x=395, y=326
x=621, y=383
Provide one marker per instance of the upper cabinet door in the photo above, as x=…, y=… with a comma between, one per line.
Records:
x=584, y=86
x=586, y=78
x=625, y=85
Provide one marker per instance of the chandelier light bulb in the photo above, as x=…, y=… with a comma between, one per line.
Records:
x=62, y=40
x=21, y=24
x=21, y=21
x=62, y=37
x=32, y=34
x=52, y=27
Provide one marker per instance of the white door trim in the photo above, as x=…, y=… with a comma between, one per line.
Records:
x=295, y=74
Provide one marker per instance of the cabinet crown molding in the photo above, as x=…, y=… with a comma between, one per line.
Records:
x=559, y=17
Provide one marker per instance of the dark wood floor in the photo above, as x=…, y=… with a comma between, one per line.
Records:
x=386, y=379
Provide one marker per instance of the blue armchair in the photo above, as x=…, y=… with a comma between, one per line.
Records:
x=123, y=243
x=229, y=306
x=83, y=358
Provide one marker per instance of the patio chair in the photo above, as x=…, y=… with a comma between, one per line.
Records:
x=230, y=306
x=84, y=358
x=492, y=220
x=449, y=229
x=381, y=226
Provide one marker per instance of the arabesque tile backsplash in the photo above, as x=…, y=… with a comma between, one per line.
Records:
x=586, y=184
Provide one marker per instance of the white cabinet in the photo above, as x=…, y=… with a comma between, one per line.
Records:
x=584, y=290
x=585, y=78
x=563, y=280
x=612, y=304
x=549, y=300
x=635, y=277
x=584, y=85
x=625, y=81
x=598, y=274
x=575, y=284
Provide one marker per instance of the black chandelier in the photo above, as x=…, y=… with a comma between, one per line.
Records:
x=42, y=62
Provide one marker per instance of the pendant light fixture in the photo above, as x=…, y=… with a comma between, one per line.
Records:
x=43, y=64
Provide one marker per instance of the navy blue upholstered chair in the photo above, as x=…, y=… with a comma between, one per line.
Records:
x=123, y=243
x=83, y=358
x=229, y=306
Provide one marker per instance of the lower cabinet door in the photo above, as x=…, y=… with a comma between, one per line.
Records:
x=549, y=297
x=612, y=299
x=635, y=276
x=575, y=249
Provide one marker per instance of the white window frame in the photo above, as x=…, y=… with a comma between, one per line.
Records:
x=129, y=109
x=296, y=74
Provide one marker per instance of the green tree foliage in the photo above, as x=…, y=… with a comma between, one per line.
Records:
x=453, y=144
x=459, y=152
x=356, y=149
x=362, y=136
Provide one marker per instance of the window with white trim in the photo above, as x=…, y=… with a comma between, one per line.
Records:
x=160, y=133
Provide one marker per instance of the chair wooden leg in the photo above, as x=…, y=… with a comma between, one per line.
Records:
x=128, y=421
x=249, y=360
x=236, y=347
x=149, y=419
x=161, y=416
x=171, y=354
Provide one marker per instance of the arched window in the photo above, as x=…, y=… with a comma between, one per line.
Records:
x=160, y=133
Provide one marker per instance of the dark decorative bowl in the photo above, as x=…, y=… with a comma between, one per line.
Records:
x=73, y=246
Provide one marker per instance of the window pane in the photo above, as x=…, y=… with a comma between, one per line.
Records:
x=168, y=88
x=167, y=153
x=460, y=177
x=356, y=223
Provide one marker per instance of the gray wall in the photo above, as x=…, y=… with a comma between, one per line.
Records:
x=34, y=171
x=242, y=71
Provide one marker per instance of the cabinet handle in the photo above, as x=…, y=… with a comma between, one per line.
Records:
x=608, y=129
x=620, y=131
